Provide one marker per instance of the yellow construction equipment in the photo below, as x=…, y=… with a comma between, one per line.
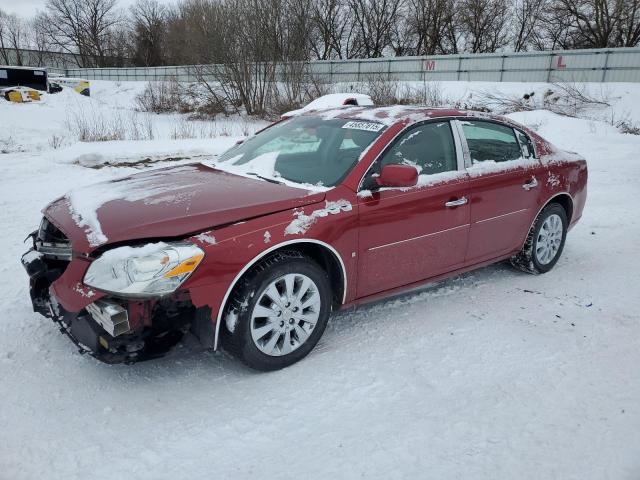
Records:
x=21, y=94
x=14, y=96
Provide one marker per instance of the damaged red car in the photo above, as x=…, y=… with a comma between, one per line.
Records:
x=315, y=213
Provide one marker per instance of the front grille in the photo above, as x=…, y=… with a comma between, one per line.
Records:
x=51, y=242
x=48, y=232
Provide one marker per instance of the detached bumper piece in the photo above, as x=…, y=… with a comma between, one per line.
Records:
x=111, y=330
x=109, y=315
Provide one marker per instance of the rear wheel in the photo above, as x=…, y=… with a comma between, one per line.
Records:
x=279, y=311
x=545, y=241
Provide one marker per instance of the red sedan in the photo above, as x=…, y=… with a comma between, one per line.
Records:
x=313, y=214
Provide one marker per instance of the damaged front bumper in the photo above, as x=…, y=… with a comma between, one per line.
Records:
x=113, y=330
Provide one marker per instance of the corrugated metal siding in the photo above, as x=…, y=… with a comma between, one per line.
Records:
x=597, y=65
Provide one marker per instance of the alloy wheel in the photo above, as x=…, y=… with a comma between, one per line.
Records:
x=285, y=314
x=549, y=239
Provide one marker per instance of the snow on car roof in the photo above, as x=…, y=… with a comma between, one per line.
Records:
x=332, y=100
x=392, y=114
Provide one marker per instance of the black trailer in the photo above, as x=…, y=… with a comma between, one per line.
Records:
x=35, y=78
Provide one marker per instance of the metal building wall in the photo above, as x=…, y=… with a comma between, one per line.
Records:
x=596, y=65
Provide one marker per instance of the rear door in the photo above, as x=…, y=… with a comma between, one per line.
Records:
x=503, y=188
x=410, y=234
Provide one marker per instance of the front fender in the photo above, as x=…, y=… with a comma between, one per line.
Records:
x=233, y=250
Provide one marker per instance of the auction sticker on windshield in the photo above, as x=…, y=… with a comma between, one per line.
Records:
x=359, y=125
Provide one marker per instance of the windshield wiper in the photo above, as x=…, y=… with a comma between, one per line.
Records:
x=265, y=178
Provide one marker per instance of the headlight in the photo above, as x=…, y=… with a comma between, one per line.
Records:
x=151, y=270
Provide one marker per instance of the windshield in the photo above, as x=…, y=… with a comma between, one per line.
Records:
x=304, y=150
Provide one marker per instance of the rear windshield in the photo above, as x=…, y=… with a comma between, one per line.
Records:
x=305, y=150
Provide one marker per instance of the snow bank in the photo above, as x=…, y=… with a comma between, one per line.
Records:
x=141, y=152
x=52, y=124
x=492, y=374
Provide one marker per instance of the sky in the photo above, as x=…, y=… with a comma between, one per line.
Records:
x=28, y=8
x=23, y=8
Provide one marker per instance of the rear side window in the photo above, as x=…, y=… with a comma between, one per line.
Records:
x=489, y=141
x=526, y=145
x=430, y=147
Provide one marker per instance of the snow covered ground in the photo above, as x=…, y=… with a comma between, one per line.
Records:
x=492, y=375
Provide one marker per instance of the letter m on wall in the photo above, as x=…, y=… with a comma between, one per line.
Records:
x=430, y=65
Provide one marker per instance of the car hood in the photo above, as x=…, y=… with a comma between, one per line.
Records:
x=167, y=203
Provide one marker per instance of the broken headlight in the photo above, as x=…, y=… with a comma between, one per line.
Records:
x=150, y=270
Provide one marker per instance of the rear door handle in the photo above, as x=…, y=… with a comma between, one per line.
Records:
x=533, y=183
x=456, y=203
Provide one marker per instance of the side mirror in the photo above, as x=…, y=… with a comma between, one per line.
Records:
x=396, y=175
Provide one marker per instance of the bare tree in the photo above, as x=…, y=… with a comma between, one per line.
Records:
x=13, y=38
x=281, y=35
x=403, y=36
x=194, y=32
x=599, y=23
x=527, y=21
x=434, y=25
x=262, y=54
x=373, y=21
x=247, y=74
x=483, y=24
x=85, y=28
x=331, y=27
x=628, y=34
x=554, y=30
x=40, y=41
x=148, y=17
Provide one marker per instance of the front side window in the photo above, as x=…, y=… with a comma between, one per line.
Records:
x=489, y=141
x=429, y=147
x=305, y=150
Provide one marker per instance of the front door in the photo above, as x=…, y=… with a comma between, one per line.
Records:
x=411, y=234
x=503, y=189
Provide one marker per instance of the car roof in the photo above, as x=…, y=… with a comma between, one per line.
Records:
x=399, y=113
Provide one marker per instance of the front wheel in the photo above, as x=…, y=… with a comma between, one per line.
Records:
x=545, y=241
x=279, y=311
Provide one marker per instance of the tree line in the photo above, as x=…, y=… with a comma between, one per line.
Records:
x=100, y=33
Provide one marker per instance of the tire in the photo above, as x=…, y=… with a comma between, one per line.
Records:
x=255, y=331
x=542, y=250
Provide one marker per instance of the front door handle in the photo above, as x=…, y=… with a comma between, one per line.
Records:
x=456, y=203
x=533, y=183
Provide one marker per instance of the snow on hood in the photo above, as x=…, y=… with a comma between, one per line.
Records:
x=84, y=202
x=166, y=203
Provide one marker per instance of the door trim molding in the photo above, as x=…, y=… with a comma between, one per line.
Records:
x=417, y=238
x=501, y=216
